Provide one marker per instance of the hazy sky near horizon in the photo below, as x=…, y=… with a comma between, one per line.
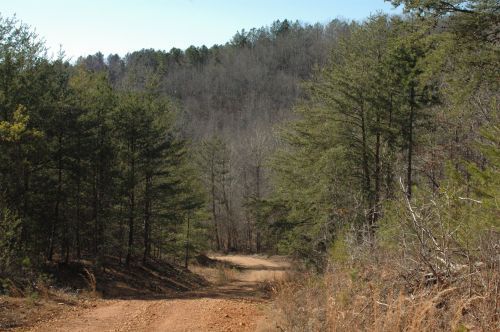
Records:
x=85, y=27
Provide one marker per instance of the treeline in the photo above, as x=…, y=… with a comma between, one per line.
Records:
x=230, y=89
x=231, y=96
x=121, y=156
x=86, y=170
x=397, y=142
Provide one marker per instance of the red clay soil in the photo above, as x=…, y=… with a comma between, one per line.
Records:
x=238, y=304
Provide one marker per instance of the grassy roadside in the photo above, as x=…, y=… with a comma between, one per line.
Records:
x=376, y=293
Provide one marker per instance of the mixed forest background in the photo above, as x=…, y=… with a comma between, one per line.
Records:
x=314, y=141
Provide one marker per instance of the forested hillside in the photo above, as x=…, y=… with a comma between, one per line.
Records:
x=130, y=157
x=405, y=111
x=230, y=98
x=367, y=150
x=388, y=180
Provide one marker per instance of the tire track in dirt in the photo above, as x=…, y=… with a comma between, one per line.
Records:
x=238, y=305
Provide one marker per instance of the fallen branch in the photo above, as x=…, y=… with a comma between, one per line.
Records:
x=470, y=199
x=418, y=227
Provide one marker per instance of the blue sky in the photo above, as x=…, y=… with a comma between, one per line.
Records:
x=118, y=26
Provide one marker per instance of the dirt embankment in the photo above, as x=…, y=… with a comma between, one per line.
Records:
x=237, y=300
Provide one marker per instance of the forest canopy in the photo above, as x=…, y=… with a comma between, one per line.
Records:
x=288, y=139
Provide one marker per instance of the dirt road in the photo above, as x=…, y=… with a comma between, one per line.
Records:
x=235, y=304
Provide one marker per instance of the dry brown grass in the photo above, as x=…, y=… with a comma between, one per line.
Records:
x=225, y=274
x=91, y=282
x=40, y=303
x=220, y=274
x=373, y=296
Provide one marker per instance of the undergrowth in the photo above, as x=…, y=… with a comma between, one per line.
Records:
x=373, y=294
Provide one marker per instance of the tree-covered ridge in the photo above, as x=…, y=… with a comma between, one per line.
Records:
x=248, y=82
x=336, y=144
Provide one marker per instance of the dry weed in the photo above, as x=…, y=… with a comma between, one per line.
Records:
x=374, y=297
x=91, y=281
x=225, y=274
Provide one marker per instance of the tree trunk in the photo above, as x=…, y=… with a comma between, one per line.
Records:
x=389, y=190
x=186, y=257
x=375, y=213
x=95, y=211
x=366, y=170
x=227, y=207
x=214, y=212
x=131, y=203
x=78, y=206
x=55, y=220
x=258, y=244
x=410, y=142
x=147, y=218
x=247, y=214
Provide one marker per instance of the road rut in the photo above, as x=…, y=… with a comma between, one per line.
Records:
x=237, y=305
